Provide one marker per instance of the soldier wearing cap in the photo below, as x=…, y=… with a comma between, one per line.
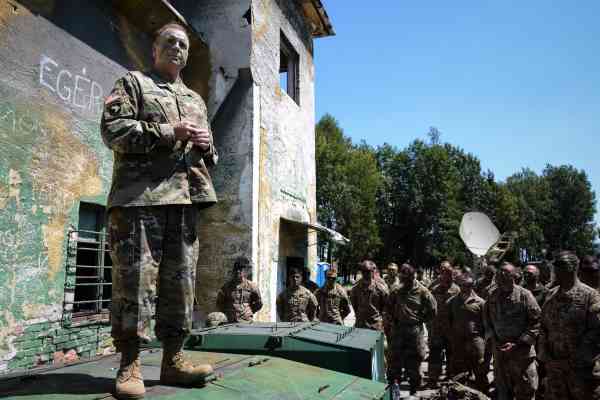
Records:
x=215, y=319
x=296, y=303
x=239, y=299
x=158, y=131
x=368, y=298
x=410, y=306
x=467, y=336
x=333, y=301
x=569, y=344
x=392, y=278
x=589, y=272
x=439, y=340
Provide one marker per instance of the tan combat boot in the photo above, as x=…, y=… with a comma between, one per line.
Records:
x=176, y=371
x=129, y=382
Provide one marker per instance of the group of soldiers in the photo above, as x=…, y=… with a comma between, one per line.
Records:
x=543, y=335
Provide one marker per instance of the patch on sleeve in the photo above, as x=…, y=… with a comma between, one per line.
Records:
x=112, y=98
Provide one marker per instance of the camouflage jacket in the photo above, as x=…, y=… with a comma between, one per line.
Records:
x=298, y=305
x=334, y=305
x=483, y=287
x=368, y=301
x=150, y=166
x=391, y=282
x=239, y=301
x=442, y=293
x=465, y=317
x=539, y=292
x=410, y=306
x=571, y=326
x=512, y=317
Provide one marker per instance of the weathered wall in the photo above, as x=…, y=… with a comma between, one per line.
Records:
x=286, y=147
x=226, y=229
x=59, y=59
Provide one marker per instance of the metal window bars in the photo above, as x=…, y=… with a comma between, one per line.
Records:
x=87, y=275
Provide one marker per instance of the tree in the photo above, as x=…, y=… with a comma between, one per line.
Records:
x=348, y=181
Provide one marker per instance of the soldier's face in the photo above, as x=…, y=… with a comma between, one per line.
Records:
x=171, y=49
x=506, y=276
x=530, y=274
x=241, y=274
x=296, y=280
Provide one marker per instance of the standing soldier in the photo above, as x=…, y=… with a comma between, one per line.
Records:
x=158, y=131
x=486, y=283
x=439, y=339
x=333, y=301
x=589, y=273
x=296, y=303
x=531, y=279
x=239, y=299
x=512, y=321
x=570, y=335
x=410, y=306
x=368, y=298
x=465, y=316
x=391, y=278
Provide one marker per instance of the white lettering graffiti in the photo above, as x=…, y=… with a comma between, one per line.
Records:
x=73, y=88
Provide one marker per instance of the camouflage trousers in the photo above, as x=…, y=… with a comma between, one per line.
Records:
x=408, y=349
x=153, y=253
x=468, y=355
x=439, y=346
x=515, y=374
x=564, y=382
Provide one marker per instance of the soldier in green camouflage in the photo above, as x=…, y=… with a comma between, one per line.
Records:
x=296, y=303
x=569, y=344
x=467, y=336
x=333, y=301
x=512, y=321
x=409, y=307
x=158, y=131
x=439, y=339
x=239, y=299
x=369, y=297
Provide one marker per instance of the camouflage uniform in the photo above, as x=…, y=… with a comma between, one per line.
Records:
x=407, y=310
x=513, y=317
x=483, y=287
x=239, y=301
x=391, y=282
x=439, y=329
x=298, y=305
x=539, y=293
x=569, y=344
x=157, y=186
x=334, y=305
x=368, y=301
x=465, y=318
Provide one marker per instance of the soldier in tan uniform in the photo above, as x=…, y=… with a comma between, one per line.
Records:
x=410, y=306
x=467, y=336
x=439, y=339
x=485, y=284
x=512, y=321
x=296, y=303
x=333, y=301
x=589, y=272
x=368, y=298
x=391, y=278
x=239, y=299
x=158, y=131
x=531, y=282
x=569, y=345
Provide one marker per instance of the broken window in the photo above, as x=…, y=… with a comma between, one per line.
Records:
x=89, y=280
x=289, y=69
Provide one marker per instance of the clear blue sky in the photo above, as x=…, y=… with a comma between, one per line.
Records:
x=517, y=83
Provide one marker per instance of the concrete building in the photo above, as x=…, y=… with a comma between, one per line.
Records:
x=252, y=61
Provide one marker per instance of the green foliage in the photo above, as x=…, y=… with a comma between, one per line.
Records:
x=348, y=180
x=407, y=204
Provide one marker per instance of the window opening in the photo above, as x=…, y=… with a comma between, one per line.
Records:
x=89, y=266
x=289, y=69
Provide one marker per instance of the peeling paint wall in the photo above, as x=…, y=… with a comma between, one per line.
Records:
x=56, y=71
x=287, y=142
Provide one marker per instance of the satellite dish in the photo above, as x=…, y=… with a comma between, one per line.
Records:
x=478, y=233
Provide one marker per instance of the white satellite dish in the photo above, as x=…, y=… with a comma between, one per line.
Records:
x=478, y=232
